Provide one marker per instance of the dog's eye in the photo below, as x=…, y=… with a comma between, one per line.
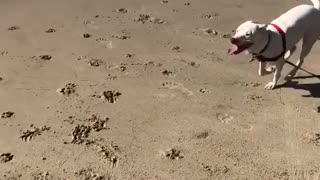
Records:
x=248, y=34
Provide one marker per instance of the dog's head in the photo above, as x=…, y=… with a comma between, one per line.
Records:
x=247, y=37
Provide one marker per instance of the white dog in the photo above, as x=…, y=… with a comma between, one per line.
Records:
x=275, y=42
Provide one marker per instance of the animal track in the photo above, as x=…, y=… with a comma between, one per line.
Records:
x=7, y=114
x=224, y=117
x=210, y=16
x=45, y=57
x=81, y=132
x=86, y=35
x=176, y=48
x=13, y=28
x=6, y=157
x=168, y=73
x=226, y=36
x=121, y=10
x=156, y=20
x=179, y=87
x=50, y=30
x=110, y=96
x=202, y=135
x=255, y=98
x=128, y=55
x=172, y=154
x=42, y=176
x=29, y=134
x=215, y=170
x=69, y=89
x=313, y=138
x=251, y=84
x=110, y=154
x=89, y=174
x=142, y=18
x=209, y=31
x=95, y=62
x=204, y=91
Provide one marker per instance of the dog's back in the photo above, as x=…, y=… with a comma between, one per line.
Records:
x=298, y=21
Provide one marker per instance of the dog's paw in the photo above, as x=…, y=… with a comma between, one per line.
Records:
x=270, y=86
x=289, y=77
x=270, y=69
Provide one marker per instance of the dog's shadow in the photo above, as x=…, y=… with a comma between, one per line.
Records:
x=312, y=88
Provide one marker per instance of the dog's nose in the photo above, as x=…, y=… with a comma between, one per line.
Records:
x=233, y=40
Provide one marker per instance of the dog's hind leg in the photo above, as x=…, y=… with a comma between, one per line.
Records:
x=307, y=44
x=290, y=52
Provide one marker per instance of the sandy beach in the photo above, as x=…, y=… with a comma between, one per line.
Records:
x=144, y=89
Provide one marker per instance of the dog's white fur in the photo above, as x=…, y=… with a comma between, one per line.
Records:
x=301, y=22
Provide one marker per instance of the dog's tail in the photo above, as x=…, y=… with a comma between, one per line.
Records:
x=316, y=4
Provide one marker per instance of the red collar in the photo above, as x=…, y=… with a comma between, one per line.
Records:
x=284, y=46
x=283, y=36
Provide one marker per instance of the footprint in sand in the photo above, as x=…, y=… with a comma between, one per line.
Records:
x=226, y=36
x=251, y=84
x=255, y=98
x=176, y=48
x=121, y=10
x=156, y=20
x=68, y=89
x=202, y=135
x=122, y=37
x=42, y=176
x=172, y=154
x=95, y=62
x=168, y=73
x=89, y=173
x=50, y=30
x=246, y=127
x=6, y=157
x=91, y=24
x=177, y=86
x=7, y=114
x=142, y=18
x=86, y=35
x=209, y=31
x=13, y=28
x=210, y=16
x=3, y=53
x=111, y=96
x=45, y=57
x=313, y=138
x=224, y=117
x=204, y=91
x=128, y=55
x=107, y=43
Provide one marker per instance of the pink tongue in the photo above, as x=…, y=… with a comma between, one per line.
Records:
x=232, y=49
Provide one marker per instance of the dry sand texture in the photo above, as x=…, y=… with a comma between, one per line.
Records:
x=143, y=89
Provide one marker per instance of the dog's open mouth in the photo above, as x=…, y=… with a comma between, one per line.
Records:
x=237, y=49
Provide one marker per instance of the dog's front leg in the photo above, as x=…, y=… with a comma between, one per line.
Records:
x=262, y=68
x=276, y=75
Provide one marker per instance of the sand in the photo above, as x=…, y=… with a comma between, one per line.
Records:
x=143, y=89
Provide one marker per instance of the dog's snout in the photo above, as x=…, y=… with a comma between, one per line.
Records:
x=233, y=40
